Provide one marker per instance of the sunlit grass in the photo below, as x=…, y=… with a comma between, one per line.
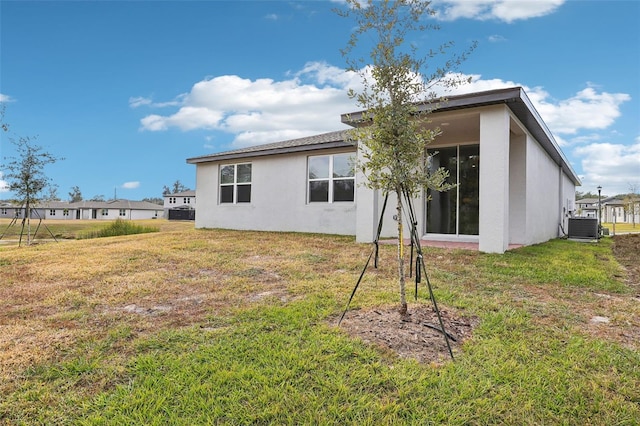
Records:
x=187, y=326
x=621, y=227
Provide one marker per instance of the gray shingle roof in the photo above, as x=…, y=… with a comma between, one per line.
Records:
x=113, y=204
x=337, y=139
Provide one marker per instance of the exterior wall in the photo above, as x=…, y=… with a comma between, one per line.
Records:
x=543, y=195
x=278, y=199
x=568, y=200
x=143, y=214
x=113, y=214
x=517, y=189
x=494, y=180
x=58, y=214
x=8, y=212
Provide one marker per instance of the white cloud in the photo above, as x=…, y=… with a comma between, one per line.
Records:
x=586, y=110
x=307, y=102
x=138, y=101
x=272, y=17
x=4, y=185
x=131, y=185
x=613, y=166
x=496, y=38
x=6, y=98
x=311, y=100
x=503, y=10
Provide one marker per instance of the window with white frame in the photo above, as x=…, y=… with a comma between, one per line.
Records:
x=52, y=212
x=235, y=183
x=105, y=212
x=123, y=212
x=331, y=178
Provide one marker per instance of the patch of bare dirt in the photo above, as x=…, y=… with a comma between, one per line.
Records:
x=416, y=335
x=626, y=249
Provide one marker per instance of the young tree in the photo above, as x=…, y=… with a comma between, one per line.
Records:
x=25, y=175
x=75, y=195
x=397, y=97
x=52, y=194
x=631, y=202
x=177, y=187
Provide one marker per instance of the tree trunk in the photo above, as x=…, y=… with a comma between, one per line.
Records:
x=28, y=212
x=403, y=293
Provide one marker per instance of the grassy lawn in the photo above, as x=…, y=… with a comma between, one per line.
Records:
x=622, y=227
x=187, y=327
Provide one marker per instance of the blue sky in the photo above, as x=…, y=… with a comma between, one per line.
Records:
x=127, y=91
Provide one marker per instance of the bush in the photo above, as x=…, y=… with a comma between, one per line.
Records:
x=120, y=227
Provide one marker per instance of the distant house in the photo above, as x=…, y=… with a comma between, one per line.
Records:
x=614, y=209
x=515, y=185
x=180, y=205
x=587, y=207
x=99, y=210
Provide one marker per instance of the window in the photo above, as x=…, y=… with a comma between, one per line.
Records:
x=331, y=178
x=65, y=212
x=52, y=212
x=3, y=211
x=235, y=183
x=187, y=201
x=105, y=212
x=123, y=212
x=172, y=200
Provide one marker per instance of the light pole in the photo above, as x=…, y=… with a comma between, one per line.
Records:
x=599, y=213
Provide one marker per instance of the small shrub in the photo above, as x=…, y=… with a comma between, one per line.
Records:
x=120, y=227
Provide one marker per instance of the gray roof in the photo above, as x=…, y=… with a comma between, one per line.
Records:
x=329, y=140
x=112, y=204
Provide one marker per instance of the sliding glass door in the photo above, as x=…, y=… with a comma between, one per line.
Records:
x=455, y=211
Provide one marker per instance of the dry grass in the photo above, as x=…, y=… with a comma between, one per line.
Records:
x=81, y=300
x=57, y=294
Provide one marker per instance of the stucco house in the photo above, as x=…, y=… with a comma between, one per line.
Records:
x=515, y=184
x=587, y=207
x=616, y=209
x=180, y=205
x=99, y=210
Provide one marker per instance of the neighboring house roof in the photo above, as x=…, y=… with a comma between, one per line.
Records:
x=335, y=139
x=117, y=204
x=113, y=204
x=614, y=201
x=188, y=193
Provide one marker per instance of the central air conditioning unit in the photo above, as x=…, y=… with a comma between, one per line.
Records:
x=583, y=228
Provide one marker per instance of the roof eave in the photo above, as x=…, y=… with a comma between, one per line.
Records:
x=267, y=152
x=515, y=98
